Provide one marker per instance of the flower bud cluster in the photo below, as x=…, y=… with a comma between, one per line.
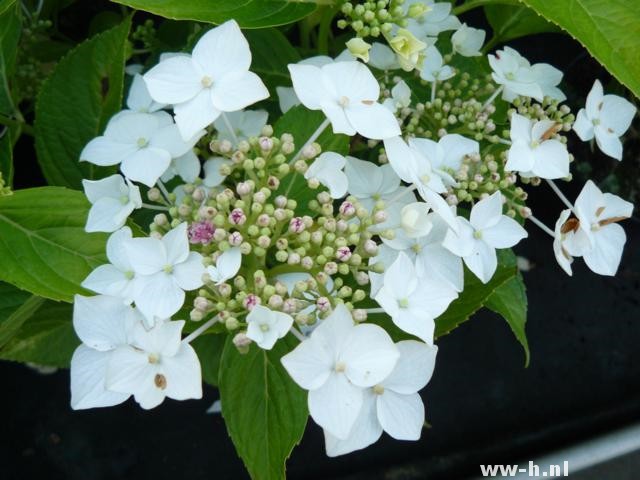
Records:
x=372, y=17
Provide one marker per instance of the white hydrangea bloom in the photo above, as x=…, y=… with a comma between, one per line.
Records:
x=265, y=326
x=112, y=201
x=468, y=41
x=327, y=169
x=245, y=124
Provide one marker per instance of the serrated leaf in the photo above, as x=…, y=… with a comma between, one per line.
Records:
x=264, y=410
x=511, y=21
x=609, y=29
x=47, y=337
x=75, y=103
x=510, y=302
x=249, y=13
x=302, y=123
x=43, y=245
x=476, y=294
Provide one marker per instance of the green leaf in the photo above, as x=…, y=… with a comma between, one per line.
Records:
x=510, y=301
x=43, y=245
x=271, y=52
x=302, y=123
x=509, y=22
x=47, y=337
x=248, y=13
x=15, y=308
x=476, y=294
x=10, y=28
x=209, y=349
x=265, y=411
x=5, y=5
x=609, y=29
x=75, y=103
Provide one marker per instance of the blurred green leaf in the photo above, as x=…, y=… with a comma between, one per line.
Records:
x=248, y=14
x=609, y=29
x=509, y=22
x=75, y=103
x=10, y=28
x=209, y=348
x=271, y=52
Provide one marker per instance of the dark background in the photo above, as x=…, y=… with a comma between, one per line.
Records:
x=483, y=405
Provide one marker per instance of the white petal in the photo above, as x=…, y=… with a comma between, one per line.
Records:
x=373, y=121
x=401, y=416
x=212, y=176
x=369, y=355
x=183, y=375
x=352, y=80
x=583, y=126
x=594, y=100
x=111, y=186
x=238, y=90
x=176, y=244
x=107, y=215
x=287, y=98
x=462, y=242
x=310, y=363
x=174, y=80
x=146, y=165
x=365, y=431
x=504, y=234
x=104, y=151
x=159, y=296
x=88, y=373
x=608, y=143
x=129, y=371
x=102, y=322
x=338, y=118
x=605, y=256
x=335, y=406
x=616, y=207
x=487, y=212
x=188, y=166
x=139, y=99
x=195, y=114
x=436, y=261
x=229, y=263
x=222, y=49
x=482, y=261
x=146, y=255
x=188, y=274
x=400, y=157
x=520, y=158
x=107, y=280
x=617, y=113
x=414, y=368
x=308, y=85
x=170, y=139
x=552, y=160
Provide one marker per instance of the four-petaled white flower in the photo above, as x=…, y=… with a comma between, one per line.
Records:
x=519, y=77
x=433, y=68
x=244, y=124
x=112, y=201
x=117, y=278
x=393, y=405
x=477, y=238
x=265, y=326
x=446, y=156
x=187, y=167
x=103, y=324
x=142, y=143
x=165, y=269
x=599, y=239
x=413, y=302
x=412, y=165
x=467, y=41
x=155, y=364
x=226, y=267
x=336, y=363
x=605, y=117
x=214, y=79
x=347, y=93
x=327, y=169
x=400, y=97
x=533, y=152
x=415, y=220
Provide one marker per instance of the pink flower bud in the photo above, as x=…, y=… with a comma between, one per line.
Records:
x=330, y=268
x=307, y=263
x=237, y=216
x=359, y=315
x=281, y=201
x=251, y=301
x=341, y=225
x=347, y=209
x=380, y=216
x=343, y=254
x=290, y=305
x=309, y=152
x=201, y=303
x=241, y=340
x=293, y=259
x=296, y=225
x=235, y=239
x=225, y=146
x=323, y=304
x=275, y=301
x=266, y=144
x=371, y=247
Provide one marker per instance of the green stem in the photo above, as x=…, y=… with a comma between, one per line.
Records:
x=324, y=31
x=471, y=4
x=24, y=127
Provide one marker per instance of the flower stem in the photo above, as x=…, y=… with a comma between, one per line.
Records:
x=492, y=97
x=558, y=192
x=230, y=128
x=542, y=226
x=297, y=334
x=163, y=189
x=433, y=91
x=155, y=207
x=198, y=331
x=25, y=127
x=374, y=310
x=314, y=136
